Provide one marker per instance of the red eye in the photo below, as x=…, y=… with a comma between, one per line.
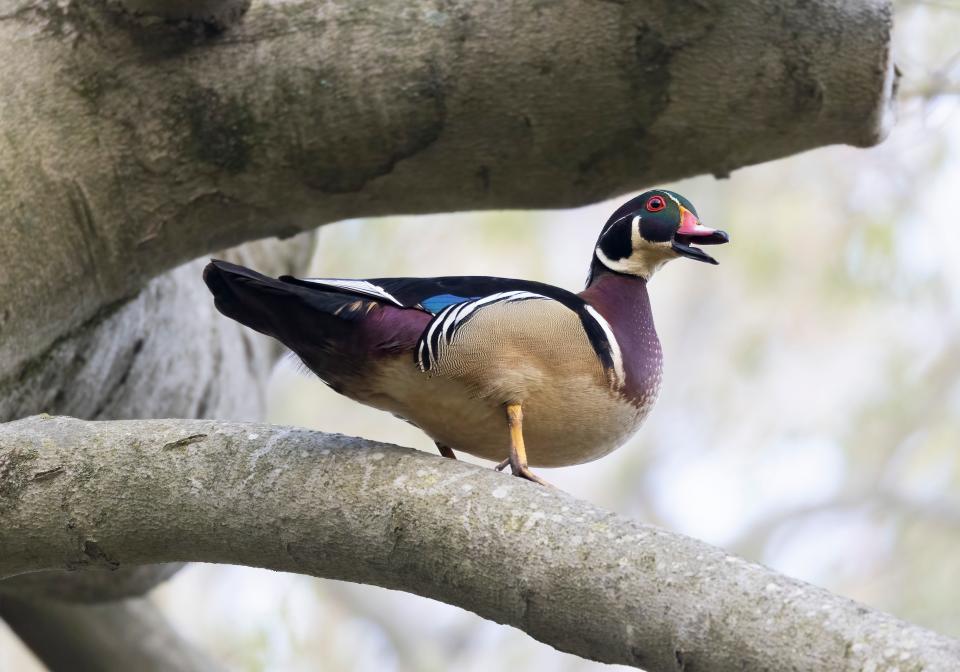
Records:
x=656, y=204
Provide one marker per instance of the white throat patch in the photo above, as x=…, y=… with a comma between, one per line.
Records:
x=645, y=259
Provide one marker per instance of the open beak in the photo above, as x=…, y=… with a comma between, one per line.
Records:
x=692, y=231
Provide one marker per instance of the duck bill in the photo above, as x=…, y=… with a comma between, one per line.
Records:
x=692, y=232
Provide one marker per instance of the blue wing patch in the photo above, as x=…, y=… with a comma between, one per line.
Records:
x=437, y=303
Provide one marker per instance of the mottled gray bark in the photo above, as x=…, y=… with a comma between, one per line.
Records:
x=111, y=494
x=129, y=635
x=130, y=147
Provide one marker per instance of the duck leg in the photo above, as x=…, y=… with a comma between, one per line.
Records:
x=446, y=451
x=518, y=453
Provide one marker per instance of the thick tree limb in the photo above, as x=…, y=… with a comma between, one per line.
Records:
x=126, y=150
x=80, y=494
x=129, y=635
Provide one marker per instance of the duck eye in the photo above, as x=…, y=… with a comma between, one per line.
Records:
x=656, y=204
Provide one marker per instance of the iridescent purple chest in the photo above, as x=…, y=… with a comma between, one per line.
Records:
x=624, y=303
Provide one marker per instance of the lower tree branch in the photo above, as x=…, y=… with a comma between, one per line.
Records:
x=77, y=494
x=128, y=635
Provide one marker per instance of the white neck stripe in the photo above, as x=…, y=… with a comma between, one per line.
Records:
x=612, y=341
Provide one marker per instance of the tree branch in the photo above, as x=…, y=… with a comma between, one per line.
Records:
x=128, y=635
x=142, y=147
x=107, y=494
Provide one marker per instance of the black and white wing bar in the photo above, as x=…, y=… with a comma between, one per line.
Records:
x=444, y=326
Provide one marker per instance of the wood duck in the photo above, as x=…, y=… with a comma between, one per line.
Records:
x=503, y=369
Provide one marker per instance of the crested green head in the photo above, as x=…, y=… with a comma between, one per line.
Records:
x=648, y=231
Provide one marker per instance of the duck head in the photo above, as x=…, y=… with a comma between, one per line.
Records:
x=648, y=231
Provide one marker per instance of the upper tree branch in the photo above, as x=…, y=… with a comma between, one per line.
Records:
x=126, y=149
x=77, y=494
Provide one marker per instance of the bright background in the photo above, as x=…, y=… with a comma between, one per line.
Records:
x=810, y=413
